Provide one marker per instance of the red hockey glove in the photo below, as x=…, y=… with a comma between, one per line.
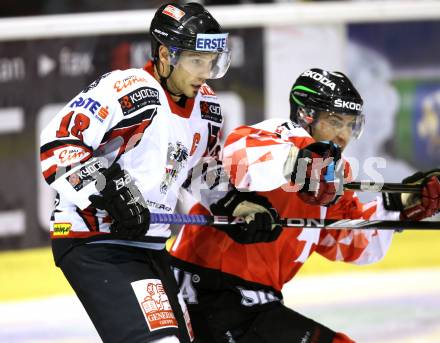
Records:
x=417, y=206
x=315, y=168
x=257, y=212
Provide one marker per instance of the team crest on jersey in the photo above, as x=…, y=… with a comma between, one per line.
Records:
x=177, y=157
x=155, y=304
x=211, y=111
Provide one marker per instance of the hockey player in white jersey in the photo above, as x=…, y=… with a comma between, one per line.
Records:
x=122, y=148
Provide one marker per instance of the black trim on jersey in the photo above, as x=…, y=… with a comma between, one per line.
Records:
x=50, y=179
x=148, y=114
x=93, y=227
x=59, y=142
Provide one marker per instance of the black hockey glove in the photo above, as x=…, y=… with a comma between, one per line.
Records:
x=125, y=204
x=257, y=212
x=417, y=206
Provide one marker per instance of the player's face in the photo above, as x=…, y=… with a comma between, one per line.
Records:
x=191, y=72
x=334, y=127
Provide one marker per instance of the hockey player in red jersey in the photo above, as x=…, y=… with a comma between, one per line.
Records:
x=233, y=290
x=121, y=148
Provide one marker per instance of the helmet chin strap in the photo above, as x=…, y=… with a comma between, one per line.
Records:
x=163, y=80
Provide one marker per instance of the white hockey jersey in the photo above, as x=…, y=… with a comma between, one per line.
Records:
x=124, y=116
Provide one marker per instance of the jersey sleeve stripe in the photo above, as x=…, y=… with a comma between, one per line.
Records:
x=49, y=163
x=46, y=151
x=132, y=133
x=148, y=114
x=89, y=218
x=49, y=174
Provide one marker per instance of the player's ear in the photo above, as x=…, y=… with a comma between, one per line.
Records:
x=164, y=54
x=164, y=61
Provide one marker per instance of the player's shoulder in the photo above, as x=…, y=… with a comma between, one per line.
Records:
x=122, y=82
x=282, y=127
x=125, y=81
x=206, y=93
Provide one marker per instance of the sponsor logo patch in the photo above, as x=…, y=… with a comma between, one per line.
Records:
x=211, y=111
x=158, y=206
x=173, y=12
x=128, y=82
x=206, y=90
x=85, y=175
x=161, y=33
x=211, y=42
x=320, y=78
x=348, y=105
x=154, y=303
x=139, y=98
x=61, y=229
x=70, y=155
x=100, y=112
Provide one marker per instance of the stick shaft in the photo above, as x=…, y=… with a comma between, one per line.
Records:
x=388, y=187
x=297, y=222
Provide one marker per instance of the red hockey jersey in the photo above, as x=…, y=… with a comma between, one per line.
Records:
x=255, y=158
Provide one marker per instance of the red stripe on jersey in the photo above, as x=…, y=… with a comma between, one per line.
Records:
x=76, y=234
x=251, y=143
x=266, y=157
x=238, y=167
x=184, y=112
x=89, y=217
x=51, y=170
x=49, y=174
x=239, y=133
x=107, y=219
x=131, y=135
x=47, y=151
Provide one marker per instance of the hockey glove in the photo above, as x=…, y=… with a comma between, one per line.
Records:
x=258, y=213
x=123, y=201
x=417, y=206
x=315, y=170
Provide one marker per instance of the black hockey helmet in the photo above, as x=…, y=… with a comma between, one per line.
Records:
x=317, y=90
x=189, y=27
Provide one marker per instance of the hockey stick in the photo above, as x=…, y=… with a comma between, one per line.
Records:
x=164, y=218
x=388, y=187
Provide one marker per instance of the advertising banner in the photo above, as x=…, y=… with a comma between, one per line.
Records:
x=395, y=66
